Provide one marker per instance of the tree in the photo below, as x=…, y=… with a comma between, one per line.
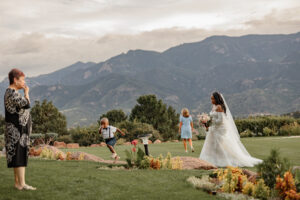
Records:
x=115, y=116
x=159, y=115
x=2, y=125
x=47, y=118
x=133, y=129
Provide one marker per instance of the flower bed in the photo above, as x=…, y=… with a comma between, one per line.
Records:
x=235, y=183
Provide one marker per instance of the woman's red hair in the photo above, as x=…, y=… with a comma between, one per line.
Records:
x=14, y=73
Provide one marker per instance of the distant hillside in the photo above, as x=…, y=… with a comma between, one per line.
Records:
x=256, y=74
x=293, y=114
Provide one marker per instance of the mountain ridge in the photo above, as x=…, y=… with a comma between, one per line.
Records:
x=256, y=74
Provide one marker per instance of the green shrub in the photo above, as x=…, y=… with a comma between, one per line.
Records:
x=48, y=154
x=145, y=164
x=133, y=129
x=86, y=136
x=51, y=135
x=248, y=188
x=35, y=136
x=134, y=158
x=271, y=167
x=257, y=124
x=43, y=138
x=259, y=134
x=290, y=129
x=139, y=157
x=194, y=137
x=2, y=143
x=202, y=133
x=65, y=138
x=267, y=131
x=261, y=191
x=246, y=133
x=296, y=174
x=201, y=137
x=2, y=125
x=121, y=141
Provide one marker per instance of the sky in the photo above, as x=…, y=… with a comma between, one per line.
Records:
x=41, y=36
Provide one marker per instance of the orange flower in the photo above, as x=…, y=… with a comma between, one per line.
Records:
x=286, y=186
x=155, y=164
x=292, y=195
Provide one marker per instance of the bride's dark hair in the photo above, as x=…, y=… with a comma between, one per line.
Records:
x=219, y=100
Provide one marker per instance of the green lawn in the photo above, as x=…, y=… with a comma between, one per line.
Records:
x=258, y=147
x=83, y=180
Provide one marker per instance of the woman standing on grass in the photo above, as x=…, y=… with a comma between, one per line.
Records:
x=186, y=128
x=17, y=127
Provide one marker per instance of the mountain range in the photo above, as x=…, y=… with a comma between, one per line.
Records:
x=255, y=73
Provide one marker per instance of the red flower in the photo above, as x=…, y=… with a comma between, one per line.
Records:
x=134, y=149
x=134, y=142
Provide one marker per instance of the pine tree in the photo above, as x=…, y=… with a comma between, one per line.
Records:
x=153, y=111
x=47, y=118
x=114, y=116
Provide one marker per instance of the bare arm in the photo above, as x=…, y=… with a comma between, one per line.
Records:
x=192, y=125
x=118, y=130
x=219, y=108
x=180, y=125
x=26, y=92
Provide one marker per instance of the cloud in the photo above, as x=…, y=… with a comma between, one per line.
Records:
x=43, y=36
x=285, y=21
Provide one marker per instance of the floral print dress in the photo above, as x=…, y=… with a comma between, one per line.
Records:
x=18, y=128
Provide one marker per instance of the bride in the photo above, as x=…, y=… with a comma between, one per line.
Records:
x=222, y=146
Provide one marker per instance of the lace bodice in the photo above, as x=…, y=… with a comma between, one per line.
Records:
x=217, y=117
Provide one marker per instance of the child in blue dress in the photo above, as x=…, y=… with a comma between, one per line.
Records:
x=186, y=128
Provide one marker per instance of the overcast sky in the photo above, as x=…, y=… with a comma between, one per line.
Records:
x=41, y=36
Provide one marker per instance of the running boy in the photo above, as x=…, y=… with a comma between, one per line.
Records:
x=107, y=132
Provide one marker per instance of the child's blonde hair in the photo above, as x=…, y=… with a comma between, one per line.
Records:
x=185, y=112
x=104, y=120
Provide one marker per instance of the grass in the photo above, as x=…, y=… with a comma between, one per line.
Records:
x=259, y=147
x=72, y=180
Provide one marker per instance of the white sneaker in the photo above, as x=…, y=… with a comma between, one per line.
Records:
x=116, y=158
x=114, y=155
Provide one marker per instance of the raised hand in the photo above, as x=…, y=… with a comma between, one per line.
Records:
x=26, y=91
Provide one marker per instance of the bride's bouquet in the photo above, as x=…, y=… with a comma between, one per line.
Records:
x=205, y=120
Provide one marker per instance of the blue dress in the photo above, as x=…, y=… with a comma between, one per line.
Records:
x=186, y=129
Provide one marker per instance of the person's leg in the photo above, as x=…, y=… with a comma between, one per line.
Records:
x=114, y=153
x=21, y=179
x=184, y=143
x=16, y=177
x=191, y=144
x=111, y=148
x=20, y=171
x=22, y=176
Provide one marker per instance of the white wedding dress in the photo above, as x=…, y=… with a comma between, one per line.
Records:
x=222, y=146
